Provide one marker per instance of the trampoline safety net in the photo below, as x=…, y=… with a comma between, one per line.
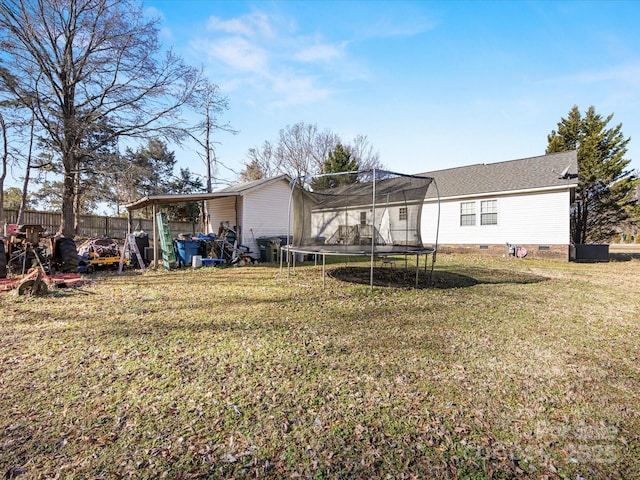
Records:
x=358, y=213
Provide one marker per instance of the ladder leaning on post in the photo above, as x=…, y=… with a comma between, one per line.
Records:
x=168, y=253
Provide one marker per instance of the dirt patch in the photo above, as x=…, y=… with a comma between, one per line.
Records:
x=406, y=278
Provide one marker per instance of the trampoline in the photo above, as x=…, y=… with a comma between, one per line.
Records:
x=374, y=213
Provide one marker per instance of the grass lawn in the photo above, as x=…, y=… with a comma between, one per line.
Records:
x=510, y=368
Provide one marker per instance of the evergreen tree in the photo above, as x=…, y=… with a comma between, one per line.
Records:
x=338, y=160
x=185, y=183
x=605, y=193
x=252, y=171
x=152, y=168
x=13, y=198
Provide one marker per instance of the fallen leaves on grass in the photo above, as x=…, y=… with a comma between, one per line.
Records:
x=509, y=370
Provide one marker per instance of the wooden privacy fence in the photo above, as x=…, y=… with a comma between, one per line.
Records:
x=95, y=225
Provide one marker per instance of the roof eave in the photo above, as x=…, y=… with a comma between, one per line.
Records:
x=167, y=199
x=523, y=191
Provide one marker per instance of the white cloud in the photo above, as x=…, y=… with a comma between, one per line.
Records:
x=320, y=53
x=165, y=32
x=238, y=53
x=295, y=90
x=251, y=25
x=628, y=74
x=153, y=12
x=268, y=60
x=402, y=23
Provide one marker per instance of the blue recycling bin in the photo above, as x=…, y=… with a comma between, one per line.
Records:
x=186, y=250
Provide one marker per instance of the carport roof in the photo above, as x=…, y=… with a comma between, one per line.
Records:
x=236, y=190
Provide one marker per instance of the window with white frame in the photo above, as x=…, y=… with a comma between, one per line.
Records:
x=402, y=214
x=489, y=212
x=467, y=214
x=363, y=218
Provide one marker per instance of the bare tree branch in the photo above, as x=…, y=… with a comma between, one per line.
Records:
x=81, y=63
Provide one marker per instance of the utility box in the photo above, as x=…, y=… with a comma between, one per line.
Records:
x=589, y=252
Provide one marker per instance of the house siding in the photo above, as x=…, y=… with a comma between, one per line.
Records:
x=265, y=214
x=389, y=228
x=220, y=210
x=526, y=219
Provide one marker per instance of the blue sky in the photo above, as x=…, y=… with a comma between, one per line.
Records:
x=431, y=84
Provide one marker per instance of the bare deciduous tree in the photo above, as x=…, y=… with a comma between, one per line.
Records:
x=209, y=102
x=295, y=149
x=75, y=63
x=262, y=163
x=302, y=150
x=363, y=152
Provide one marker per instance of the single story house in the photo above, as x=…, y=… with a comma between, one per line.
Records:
x=484, y=208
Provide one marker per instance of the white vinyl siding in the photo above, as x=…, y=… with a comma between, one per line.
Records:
x=265, y=214
x=221, y=210
x=262, y=212
x=393, y=231
x=536, y=218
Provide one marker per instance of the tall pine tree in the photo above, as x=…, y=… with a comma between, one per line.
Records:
x=606, y=188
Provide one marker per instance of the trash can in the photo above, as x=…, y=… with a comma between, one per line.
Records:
x=142, y=242
x=269, y=248
x=186, y=250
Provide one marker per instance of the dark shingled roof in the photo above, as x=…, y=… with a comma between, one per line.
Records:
x=524, y=174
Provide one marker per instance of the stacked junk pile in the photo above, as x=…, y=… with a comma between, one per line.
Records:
x=33, y=261
x=104, y=252
x=210, y=250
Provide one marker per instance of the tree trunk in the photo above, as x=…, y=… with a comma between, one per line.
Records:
x=77, y=203
x=208, y=151
x=25, y=188
x=68, y=188
x=27, y=175
x=3, y=173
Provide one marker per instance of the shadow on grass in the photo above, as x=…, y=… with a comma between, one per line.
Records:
x=406, y=278
x=624, y=257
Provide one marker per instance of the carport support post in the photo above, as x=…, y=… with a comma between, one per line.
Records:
x=129, y=221
x=155, y=238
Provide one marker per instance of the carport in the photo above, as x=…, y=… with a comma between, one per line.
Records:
x=155, y=200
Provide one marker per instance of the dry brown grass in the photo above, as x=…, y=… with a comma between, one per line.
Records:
x=509, y=369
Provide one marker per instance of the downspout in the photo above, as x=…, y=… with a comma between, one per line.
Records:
x=237, y=225
x=373, y=222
